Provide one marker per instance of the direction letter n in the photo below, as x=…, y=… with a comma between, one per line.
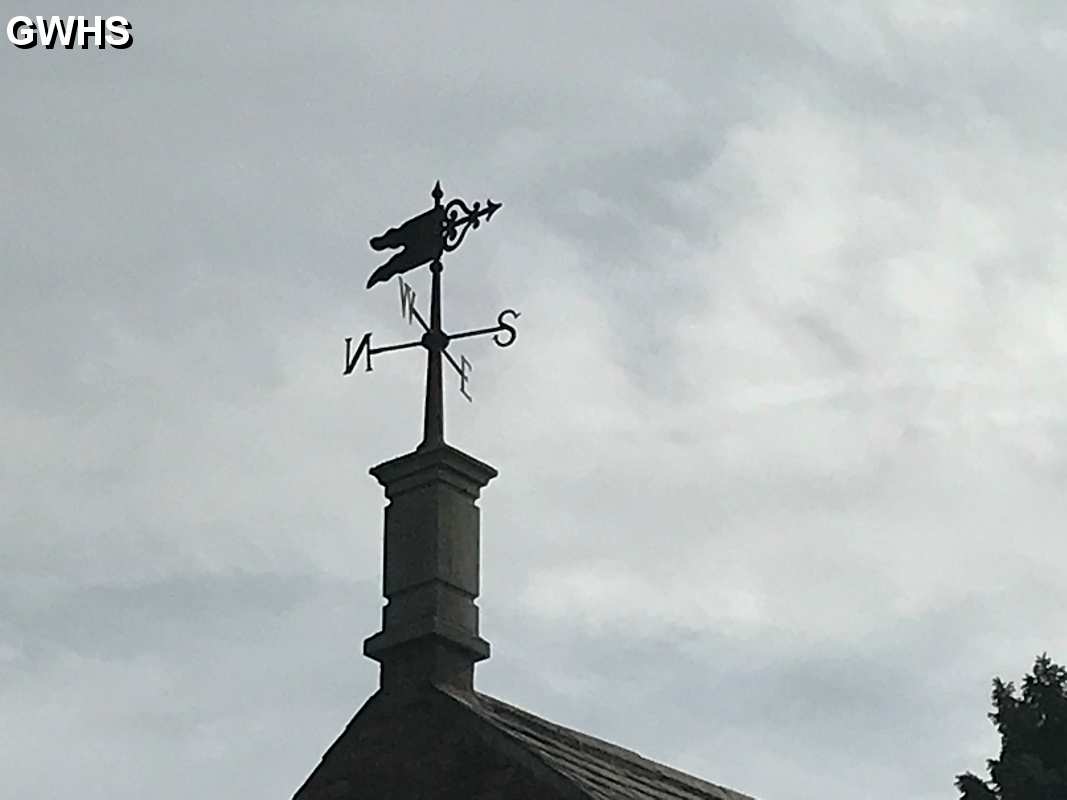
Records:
x=352, y=360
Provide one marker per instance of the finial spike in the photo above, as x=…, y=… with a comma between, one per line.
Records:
x=438, y=193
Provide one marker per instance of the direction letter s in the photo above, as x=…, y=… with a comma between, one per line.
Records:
x=21, y=33
x=119, y=32
x=512, y=333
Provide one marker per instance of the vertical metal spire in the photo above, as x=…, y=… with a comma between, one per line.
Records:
x=435, y=340
x=433, y=423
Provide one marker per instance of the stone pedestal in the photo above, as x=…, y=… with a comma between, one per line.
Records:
x=430, y=623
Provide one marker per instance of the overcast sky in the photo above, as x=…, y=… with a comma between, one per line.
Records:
x=782, y=442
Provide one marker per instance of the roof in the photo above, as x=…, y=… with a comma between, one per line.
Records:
x=601, y=770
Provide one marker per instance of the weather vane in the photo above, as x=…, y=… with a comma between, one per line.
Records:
x=424, y=239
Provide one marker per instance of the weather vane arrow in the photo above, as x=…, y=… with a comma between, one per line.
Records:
x=423, y=240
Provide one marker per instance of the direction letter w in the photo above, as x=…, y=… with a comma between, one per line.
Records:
x=407, y=300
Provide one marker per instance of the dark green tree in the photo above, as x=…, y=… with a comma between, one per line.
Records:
x=1033, y=739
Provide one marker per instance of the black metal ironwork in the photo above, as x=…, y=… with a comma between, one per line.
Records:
x=422, y=240
x=456, y=226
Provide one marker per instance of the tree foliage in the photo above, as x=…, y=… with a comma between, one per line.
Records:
x=1033, y=739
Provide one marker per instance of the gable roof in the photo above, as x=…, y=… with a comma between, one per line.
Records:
x=601, y=770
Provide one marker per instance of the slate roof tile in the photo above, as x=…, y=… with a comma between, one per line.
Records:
x=602, y=770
